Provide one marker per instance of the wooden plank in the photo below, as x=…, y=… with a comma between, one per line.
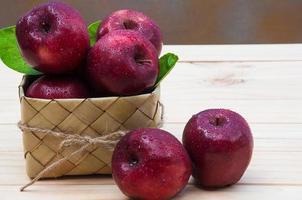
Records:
x=8, y=75
x=88, y=192
x=10, y=113
x=260, y=131
x=10, y=139
x=273, y=138
x=239, y=192
x=267, y=52
x=254, y=111
x=105, y=192
x=268, y=166
x=235, y=81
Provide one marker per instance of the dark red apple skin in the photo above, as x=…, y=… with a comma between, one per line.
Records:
x=57, y=87
x=132, y=20
x=150, y=163
x=53, y=38
x=122, y=63
x=220, y=145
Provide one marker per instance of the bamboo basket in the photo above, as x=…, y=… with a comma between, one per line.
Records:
x=92, y=117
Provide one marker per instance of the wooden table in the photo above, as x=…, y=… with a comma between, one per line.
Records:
x=261, y=82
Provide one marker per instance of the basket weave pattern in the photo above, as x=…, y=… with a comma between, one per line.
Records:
x=92, y=117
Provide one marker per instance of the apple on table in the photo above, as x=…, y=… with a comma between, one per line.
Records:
x=220, y=144
x=150, y=163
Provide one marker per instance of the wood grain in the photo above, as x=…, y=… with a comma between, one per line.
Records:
x=243, y=52
x=261, y=82
x=111, y=192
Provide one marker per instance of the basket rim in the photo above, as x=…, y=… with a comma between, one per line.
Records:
x=25, y=79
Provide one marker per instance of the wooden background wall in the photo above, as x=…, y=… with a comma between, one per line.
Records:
x=195, y=21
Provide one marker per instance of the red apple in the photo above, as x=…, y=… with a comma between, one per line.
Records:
x=150, y=163
x=57, y=87
x=132, y=20
x=220, y=145
x=122, y=63
x=53, y=38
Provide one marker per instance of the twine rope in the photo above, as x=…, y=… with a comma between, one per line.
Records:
x=85, y=142
x=108, y=141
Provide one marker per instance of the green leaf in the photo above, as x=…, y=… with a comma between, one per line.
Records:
x=166, y=64
x=92, y=29
x=10, y=53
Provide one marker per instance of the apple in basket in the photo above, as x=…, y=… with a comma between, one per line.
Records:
x=53, y=38
x=57, y=87
x=150, y=163
x=122, y=62
x=220, y=145
x=132, y=20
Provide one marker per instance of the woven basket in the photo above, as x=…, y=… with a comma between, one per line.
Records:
x=93, y=117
